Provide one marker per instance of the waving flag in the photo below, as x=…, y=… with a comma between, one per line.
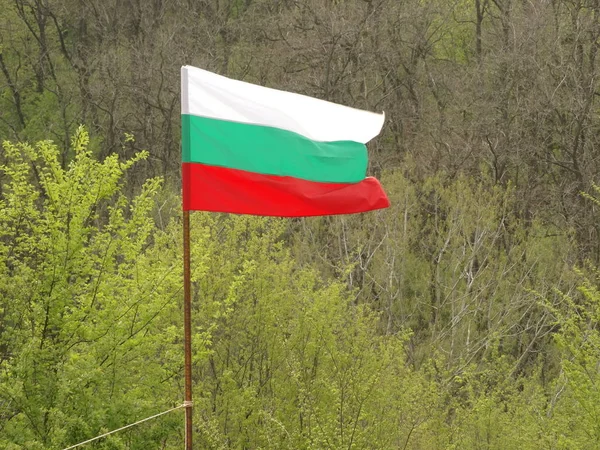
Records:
x=248, y=149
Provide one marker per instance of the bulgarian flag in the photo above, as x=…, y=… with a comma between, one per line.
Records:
x=249, y=149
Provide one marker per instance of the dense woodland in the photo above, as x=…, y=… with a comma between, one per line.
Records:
x=465, y=316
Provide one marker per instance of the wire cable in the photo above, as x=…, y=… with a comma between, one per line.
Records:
x=127, y=426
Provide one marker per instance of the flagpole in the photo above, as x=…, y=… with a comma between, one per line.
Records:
x=187, y=329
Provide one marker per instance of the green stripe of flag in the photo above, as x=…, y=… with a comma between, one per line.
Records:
x=270, y=151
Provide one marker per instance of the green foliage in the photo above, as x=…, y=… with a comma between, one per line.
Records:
x=577, y=397
x=84, y=300
x=415, y=327
x=285, y=355
x=577, y=394
x=292, y=363
x=92, y=338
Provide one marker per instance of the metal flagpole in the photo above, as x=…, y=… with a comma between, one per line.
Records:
x=187, y=329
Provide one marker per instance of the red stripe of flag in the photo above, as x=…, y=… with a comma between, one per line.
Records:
x=220, y=189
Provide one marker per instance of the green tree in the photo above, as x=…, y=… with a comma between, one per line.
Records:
x=85, y=296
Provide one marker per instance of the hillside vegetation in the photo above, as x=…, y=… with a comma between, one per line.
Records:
x=465, y=316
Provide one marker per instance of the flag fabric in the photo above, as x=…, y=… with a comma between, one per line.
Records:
x=249, y=149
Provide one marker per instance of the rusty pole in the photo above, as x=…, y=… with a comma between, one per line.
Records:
x=187, y=329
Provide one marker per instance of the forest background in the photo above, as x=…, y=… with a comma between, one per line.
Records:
x=465, y=316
